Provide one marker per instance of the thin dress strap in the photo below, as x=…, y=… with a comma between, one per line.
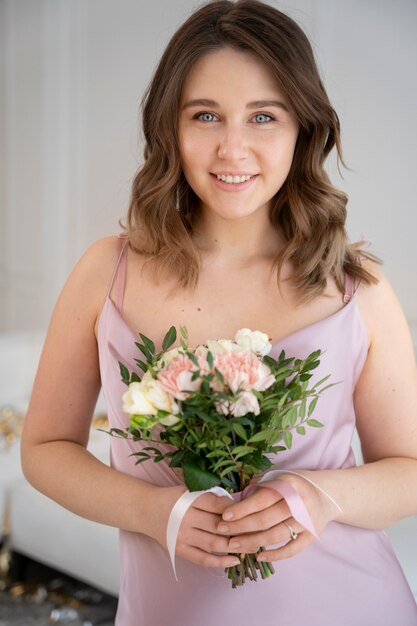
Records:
x=119, y=273
x=349, y=288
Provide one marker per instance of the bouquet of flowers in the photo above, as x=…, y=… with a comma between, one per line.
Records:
x=222, y=408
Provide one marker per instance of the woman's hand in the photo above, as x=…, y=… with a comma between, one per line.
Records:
x=261, y=518
x=198, y=540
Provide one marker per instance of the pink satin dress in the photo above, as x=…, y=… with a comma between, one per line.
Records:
x=349, y=577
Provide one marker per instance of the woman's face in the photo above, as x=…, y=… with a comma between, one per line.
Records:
x=236, y=132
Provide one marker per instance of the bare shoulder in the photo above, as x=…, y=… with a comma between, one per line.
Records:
x=97, y=263
x=89, y=280
x=380, y=308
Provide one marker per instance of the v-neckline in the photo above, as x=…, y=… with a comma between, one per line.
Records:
x=274, y=344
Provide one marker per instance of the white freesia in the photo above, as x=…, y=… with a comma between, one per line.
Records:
x=147, y=397
x=246, y=403
x=253, y=340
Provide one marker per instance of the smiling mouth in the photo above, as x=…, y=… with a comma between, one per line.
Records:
x=233, y=180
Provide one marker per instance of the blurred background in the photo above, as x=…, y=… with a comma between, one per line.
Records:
x=72, y=74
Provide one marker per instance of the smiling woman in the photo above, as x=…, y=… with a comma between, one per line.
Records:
x=238, y=145
x=234, y=224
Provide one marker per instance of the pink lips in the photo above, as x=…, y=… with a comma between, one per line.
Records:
x=234, y=187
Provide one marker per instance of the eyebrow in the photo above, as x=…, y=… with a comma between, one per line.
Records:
x=256, y=104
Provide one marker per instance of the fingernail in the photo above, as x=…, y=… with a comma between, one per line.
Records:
x=222, y=528
x=261, y=557
x=233, y=545
x=228, y=515
x=233, y=563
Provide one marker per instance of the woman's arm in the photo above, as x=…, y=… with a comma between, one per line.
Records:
x=382, y=491
x=54, y=455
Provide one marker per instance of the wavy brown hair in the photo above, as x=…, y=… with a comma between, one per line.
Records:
x=308, y=210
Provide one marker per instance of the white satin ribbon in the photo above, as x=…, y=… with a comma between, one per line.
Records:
x=293, y=500
x=178, y=511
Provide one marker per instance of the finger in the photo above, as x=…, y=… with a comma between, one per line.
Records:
x=209, y=542
x=212, y=503
x=205, y=559
x=261, y=499
x=278, y=534
x=260, y=520
x=202, y=520
x=290, y=549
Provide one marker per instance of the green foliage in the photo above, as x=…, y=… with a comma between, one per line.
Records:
x=215, y=449
x=169, y=339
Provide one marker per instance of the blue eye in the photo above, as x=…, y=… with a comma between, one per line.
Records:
x=262, y=118
x=205, y=117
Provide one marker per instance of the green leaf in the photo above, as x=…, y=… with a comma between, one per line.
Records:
x=242, y=451
x=148, y=355
x=261, y=462
x=321, y=381
x=210, y=359
x=261, y=436
x=268, y=360
x=219, y=375
x=193, y=358
x=148, y=343
x=169, y=338
x=177, y=458
x=312, y=406
x=116, y=432
x=282, y=400
x=143, y=366
x=184, y=332
x=240, y=431
x=303, y=408
x=134, y=378
x=214, y=453
x=288, y=439
x=277, y=449
x=315, y=423
x=227, y=470
x=292, y=416
x=124, y=373
x=196, y=476
x=301, y=430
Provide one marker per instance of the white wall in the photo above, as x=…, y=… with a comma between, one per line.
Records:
x=71, y=76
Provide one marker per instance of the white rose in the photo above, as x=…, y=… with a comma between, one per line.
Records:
x=135, y=401
x=157, y=395
x=147, y=397
x=246, y=403
x=253, y=340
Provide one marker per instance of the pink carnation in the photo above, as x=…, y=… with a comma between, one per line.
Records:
x=242, y=370
x=175, y=377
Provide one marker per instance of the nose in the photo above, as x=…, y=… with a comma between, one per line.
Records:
x=232, y=144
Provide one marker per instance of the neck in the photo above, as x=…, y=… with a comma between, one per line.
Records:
x=239, y=240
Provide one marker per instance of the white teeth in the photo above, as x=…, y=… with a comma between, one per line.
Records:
x=233, y=179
